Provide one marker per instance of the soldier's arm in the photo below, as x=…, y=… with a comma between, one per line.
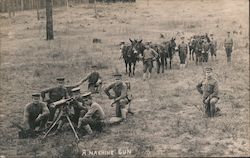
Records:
x=106, y=90
x=45, y=112
x=90, y=112
x=43, y=92
x=215, y=92
x=26, y=117
x=199, y=87
x=123, y=92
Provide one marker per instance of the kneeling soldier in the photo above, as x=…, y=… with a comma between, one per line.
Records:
x=94, y=118
x=208, y=87
x=35, y=113
x=121, y=96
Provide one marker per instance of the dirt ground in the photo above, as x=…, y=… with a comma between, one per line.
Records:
x=166, y=122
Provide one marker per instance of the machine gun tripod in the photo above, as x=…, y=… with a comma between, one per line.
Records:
x=63, y=106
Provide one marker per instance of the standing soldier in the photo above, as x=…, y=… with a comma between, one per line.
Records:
x=205, y=50
x=228, y=44
x=94, y=118
x=35, y=113
x=208, y=87
x=55, y=94
x=198, y=51
x=94, y=80
x=183, y=50
x=149, y=55
x=213, y=47
x=121, y=98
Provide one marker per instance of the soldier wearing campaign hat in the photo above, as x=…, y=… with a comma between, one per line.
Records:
x=94, y=80
x=183, y=51
x=35, y=113
x=208, y=88
x=55, y=94
x=94, y=118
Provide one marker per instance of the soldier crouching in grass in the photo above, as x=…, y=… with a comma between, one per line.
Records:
x=121, y=98
x=94, y=118
x=36, y=113
x=208, y=87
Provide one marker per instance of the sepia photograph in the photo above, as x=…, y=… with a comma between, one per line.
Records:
x=124, y=78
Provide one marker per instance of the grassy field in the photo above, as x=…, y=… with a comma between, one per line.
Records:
x=166, y=122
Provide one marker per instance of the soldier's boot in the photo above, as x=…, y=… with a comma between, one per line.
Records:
x=88, y=129
x=144, y=76
x=149, y=75
x=124, y=112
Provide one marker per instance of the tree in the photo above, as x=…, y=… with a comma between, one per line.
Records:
x=49, y=20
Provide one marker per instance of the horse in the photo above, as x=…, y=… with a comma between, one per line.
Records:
x=130, y=54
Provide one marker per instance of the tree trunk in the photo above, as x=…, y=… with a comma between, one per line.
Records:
x=21, y=5
x=37, y=9
x=49, y=20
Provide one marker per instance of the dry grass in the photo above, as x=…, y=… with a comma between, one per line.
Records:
x=166, y=122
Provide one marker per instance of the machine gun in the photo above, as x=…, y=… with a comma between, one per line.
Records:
x=63, y=106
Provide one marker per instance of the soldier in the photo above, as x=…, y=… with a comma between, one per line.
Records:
x=94, y=80
x=55, y=94
x=149, y=55
x=198, y=51
x=35, y=113
x=78, y=104
x=213, y=47
x=75, y=109
x=228, y=44
x=121, y=98
x=183, y=50
x=94, y=118
x=205, y=50
x=208, y=87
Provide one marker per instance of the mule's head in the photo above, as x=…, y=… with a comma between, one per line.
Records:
x=173, y=44
x=137, y=47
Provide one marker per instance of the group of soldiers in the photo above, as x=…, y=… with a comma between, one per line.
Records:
x=88, y=115
x=83, y=111
x=203, y=47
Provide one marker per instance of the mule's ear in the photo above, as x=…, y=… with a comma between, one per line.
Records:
x=140, y=41
x=131, y=40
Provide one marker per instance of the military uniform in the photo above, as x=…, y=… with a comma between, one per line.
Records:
x=205, y=51
x=198, y=52
x=120, y=90
x=148, y=56
x=228, y=44
x=35, y=114
x=55, y=94
x=213, y=46
x=209, y=90
x=78, y=105
x=94, y=118
x=183, y=50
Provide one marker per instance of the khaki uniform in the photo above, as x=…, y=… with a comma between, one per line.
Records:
x=94, y=81
x=209, y=90
x=228, y=44
x=120, y=89
x=148, y=55
x=94, y=117
x=55, y=94
x=32, y=111
x=205, y=51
